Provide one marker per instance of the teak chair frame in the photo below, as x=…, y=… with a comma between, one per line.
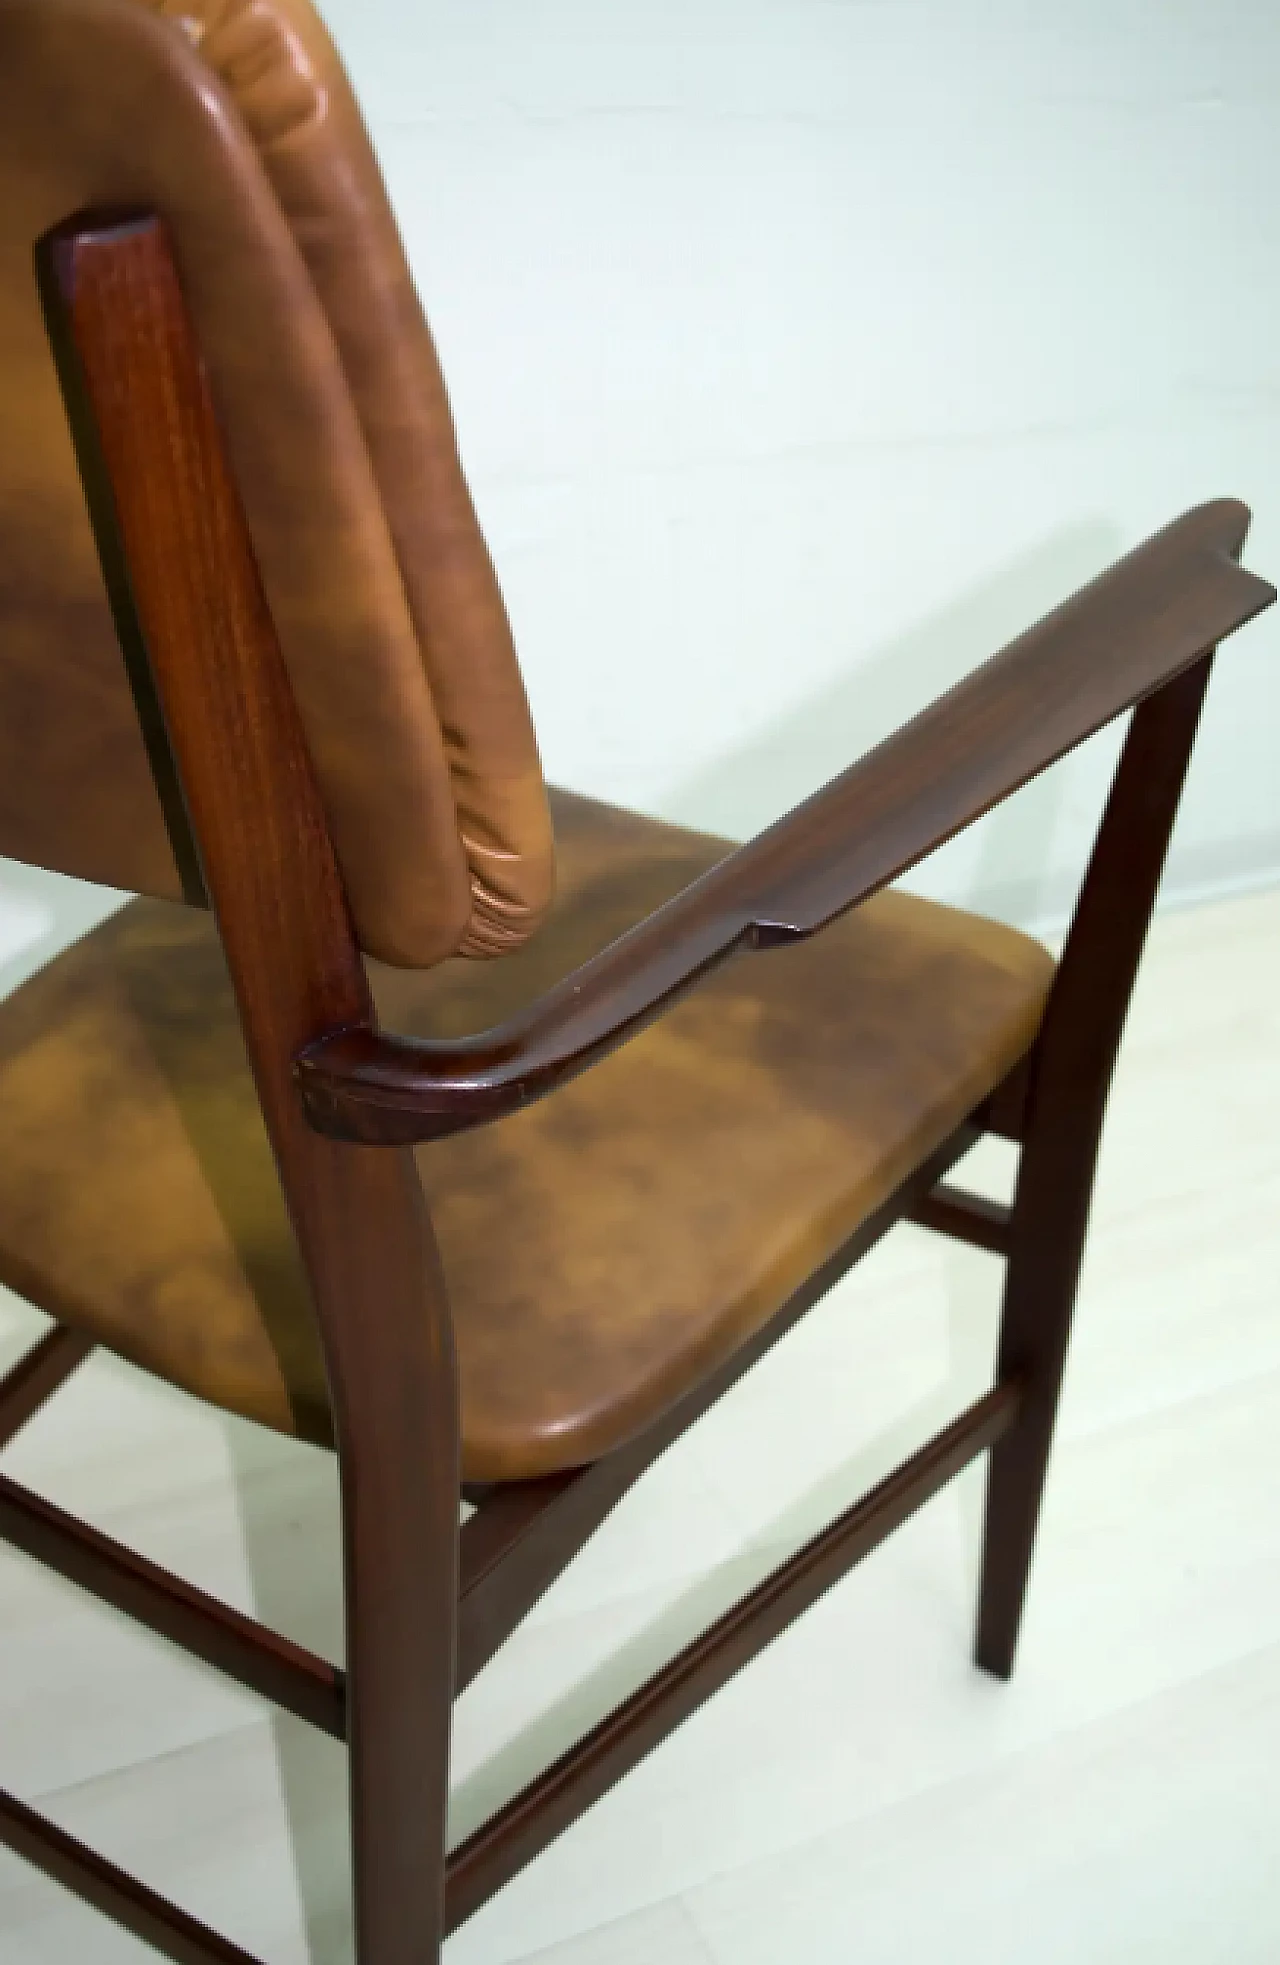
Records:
x=428, y=1603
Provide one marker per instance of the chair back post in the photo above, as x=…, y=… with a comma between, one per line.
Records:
x=178, y=558
x=1069, y=1077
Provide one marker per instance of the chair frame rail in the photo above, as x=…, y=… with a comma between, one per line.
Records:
x=428, y=1603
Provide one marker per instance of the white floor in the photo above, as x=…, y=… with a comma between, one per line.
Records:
x=860, y=1793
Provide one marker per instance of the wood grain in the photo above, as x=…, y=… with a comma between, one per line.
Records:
x=552, y=1802
x=1149, y=617
x=526, y=1533
x=144, y=420
x=1071, y=1069
x=266, y=1663
x=162, y=1925
x=168, y=517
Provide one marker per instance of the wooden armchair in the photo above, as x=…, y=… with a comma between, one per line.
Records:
x=513, y=1250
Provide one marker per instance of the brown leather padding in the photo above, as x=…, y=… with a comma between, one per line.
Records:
x=233, y=119
x=603, y=1249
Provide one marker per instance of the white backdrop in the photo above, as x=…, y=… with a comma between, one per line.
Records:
x=804, y=350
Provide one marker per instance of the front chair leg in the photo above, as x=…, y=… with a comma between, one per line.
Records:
x=1070, y=1076
x=399, y=1460
x=1047, y=1243
x=401, y=1696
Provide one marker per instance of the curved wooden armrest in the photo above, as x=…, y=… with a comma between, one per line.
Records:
x=1131, y=630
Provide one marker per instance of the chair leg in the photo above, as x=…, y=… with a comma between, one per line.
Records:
x=1040, y=1295
x=400, y=1693
x=1068, y=1080
x=399, y=1462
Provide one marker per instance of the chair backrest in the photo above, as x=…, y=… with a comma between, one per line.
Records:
x=234, y=121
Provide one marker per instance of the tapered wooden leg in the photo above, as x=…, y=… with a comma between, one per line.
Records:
x=400, y=1586
x=229, y=744
x=400, y=1521
x=401, y=1674
x=1039, y=1301
x=1070, y=1077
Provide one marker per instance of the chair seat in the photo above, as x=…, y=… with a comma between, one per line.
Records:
x=604, y=1249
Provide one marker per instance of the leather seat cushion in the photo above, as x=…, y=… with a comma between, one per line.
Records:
x=604, y=1249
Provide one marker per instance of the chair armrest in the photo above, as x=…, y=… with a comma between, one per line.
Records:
x=1119, y=639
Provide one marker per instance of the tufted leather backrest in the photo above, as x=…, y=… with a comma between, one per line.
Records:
x=234, y=120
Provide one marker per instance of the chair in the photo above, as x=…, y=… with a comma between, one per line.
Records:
x=319, y=1127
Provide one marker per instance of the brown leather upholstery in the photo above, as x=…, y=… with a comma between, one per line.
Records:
x=234, y=120
x=603, y=1249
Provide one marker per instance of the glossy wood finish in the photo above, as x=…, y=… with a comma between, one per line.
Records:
x=116, y=309
x=551, y=1803
x=37, y=1377
x=1070, y=1077
x=1154, y=613
x=245, y=1650
x=169, y=1930
x=526, y=1534
x=100, y=500
x=341, y=1100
